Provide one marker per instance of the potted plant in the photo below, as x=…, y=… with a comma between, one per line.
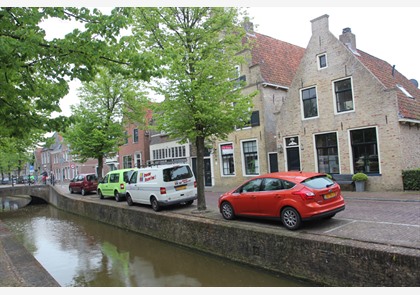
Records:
x=359, y=180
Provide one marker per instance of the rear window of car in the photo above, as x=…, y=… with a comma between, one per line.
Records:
x=318, y=182
x=177, y=173
x=91, y=177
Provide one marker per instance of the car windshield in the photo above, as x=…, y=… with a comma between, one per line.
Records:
x=318, y=182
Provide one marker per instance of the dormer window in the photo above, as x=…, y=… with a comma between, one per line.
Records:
x=404, y=91
x=322, y=61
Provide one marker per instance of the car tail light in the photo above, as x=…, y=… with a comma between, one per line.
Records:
x=305, y=194
x=121, y=185
x=162, y=190
x=195, y=183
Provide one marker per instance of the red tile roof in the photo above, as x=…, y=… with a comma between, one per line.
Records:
x=278, y=60
x=409, y=108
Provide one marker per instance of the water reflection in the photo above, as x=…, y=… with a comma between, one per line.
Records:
x=78, y=251
x=14, y=203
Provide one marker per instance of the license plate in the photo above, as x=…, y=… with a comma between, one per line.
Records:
x=181, y=187
x=329, y=195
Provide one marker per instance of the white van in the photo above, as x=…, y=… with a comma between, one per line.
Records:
x=162, y=185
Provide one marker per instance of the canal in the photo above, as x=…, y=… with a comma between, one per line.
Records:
x=80, y=252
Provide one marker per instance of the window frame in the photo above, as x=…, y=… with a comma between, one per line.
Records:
x=375, y=147
x=228, y=157
x=336, y=112
x=327, y=147
x=245, y=155
x=319, y=56
x=302, y=105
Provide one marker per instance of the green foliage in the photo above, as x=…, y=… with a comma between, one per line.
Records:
x=411, y=179
x=13, y=156
x=35, y=71
x=359, y=177
x=198, y=49
x=98, y=130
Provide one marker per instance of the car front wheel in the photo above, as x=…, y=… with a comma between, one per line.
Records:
x=101, y=196
x=83, y=192
x=290, y=218
x=129, y=200
x=227, y=211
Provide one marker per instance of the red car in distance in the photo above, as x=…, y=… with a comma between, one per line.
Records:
x=84, y=184
x=292, y=197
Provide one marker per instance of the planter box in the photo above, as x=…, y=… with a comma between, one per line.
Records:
x=360, y=186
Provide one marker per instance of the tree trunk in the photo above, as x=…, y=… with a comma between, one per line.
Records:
x=201, y=201
x=100, y=167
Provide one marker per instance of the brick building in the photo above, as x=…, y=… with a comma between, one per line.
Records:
x=347, y=111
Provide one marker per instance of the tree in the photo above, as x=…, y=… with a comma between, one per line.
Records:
x=34, y=71
x=98, y=130
x=199, y=49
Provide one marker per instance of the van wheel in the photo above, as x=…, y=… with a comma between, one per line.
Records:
x=155, y=204
x=129, y=200
x=101, y=196
x=117, y=196
x=189, y=203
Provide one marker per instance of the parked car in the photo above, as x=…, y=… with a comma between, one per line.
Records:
x=162, y=185
x=292, y=197
x=83, y=183
x=5, y=180
x=114, y=184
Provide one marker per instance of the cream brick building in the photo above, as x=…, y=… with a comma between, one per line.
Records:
x=348, y=111
x=250, y=151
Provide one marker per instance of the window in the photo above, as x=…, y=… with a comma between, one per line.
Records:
x=126, y=137
x=114, y=178
x=343, y=95
x=327, y=152
x=135, y=135
x=322, y=61
x=309, y=103
x=251, y=186
x=250, y=154
x=365, y=150
x=228, y=163
x=138, y=160
x=127, y=162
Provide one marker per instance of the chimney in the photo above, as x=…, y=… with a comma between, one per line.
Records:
x=248, y=26
x=320, y=24
x=349, y=39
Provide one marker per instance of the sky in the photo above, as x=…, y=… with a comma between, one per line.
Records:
x=389, y=31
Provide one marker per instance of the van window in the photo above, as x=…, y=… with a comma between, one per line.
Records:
x=127, y=175
x=176, y=173
x=133, y=178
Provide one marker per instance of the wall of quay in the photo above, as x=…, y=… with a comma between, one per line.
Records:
x=323, y=260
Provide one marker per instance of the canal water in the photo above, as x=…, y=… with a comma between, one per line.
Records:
x=80, y=252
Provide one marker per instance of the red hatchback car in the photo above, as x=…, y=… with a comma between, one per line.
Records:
x=291, y=196
x=83, y=183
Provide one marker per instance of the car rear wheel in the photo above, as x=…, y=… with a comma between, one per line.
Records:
x=129, y=200
x=101, y=196
x=117, y=196
x=83, y=192
x=290, y=218
x=155, y=204
x=71, y=190
x=227, y=211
